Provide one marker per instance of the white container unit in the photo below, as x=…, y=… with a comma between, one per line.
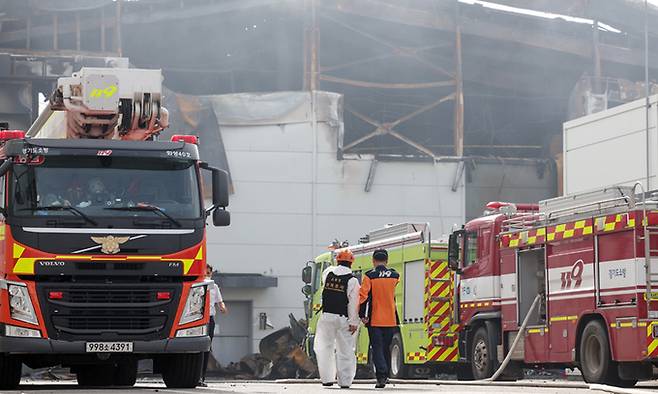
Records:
x=610, y=148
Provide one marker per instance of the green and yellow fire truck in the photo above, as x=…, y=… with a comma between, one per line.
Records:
x=423, y=297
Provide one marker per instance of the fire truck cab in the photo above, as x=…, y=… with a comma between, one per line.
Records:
x=584, y=259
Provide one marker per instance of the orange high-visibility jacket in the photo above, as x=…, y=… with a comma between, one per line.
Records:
x=377, y=297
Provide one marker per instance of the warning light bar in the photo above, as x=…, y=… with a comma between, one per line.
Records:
x=495, y=206
x=190, y=139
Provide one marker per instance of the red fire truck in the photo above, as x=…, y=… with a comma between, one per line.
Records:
x=587, y=259
x=102, y=236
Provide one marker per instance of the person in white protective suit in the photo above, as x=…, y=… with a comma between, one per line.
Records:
x=335, y=336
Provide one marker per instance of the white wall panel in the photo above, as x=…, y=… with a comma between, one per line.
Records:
x=264, y=228
x=279, y=138
x=266, y=197
x=331, y=170
x=270, y=166
x=272, y=260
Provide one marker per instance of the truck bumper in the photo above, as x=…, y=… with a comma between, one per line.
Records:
x=14, y=345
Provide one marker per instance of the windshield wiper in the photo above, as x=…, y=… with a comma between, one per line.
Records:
x=149, y=208
x=69, y=208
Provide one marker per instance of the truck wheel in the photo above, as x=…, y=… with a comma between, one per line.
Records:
x=399, y=369
x=481, y=355
x=125, y=372
x=11, y=368
x=595, y=361
x=182, y=371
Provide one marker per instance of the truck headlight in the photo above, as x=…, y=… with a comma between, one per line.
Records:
x=20, y=304
x=196, y=300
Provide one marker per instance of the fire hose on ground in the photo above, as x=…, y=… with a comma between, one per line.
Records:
x=519, y=334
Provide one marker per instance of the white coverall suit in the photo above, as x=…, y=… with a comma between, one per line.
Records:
x=334, y=345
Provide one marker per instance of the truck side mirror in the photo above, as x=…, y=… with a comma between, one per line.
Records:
x=453, y=249
x=221, y=217
x=307, y=290
x=307, y=274
x=219, y=185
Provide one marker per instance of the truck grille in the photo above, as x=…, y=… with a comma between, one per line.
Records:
x=104, y=311
x=94, y=324
x=87, y=296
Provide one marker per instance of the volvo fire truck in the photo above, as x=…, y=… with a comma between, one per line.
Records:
x=569, y=282
x=102, y=236
x=423, y=295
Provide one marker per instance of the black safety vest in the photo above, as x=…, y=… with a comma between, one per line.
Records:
x=334, y=294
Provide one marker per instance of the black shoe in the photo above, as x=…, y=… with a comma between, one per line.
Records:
x=327, y=384
x=202, y=384
x=381, y=383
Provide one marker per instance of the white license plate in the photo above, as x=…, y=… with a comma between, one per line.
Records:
x=109, y=347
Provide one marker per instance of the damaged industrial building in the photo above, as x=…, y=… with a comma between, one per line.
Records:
x=337, y=117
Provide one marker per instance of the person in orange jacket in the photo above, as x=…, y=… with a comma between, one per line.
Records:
x=378, y=312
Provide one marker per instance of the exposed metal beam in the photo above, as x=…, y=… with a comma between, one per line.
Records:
x=388, y=128
x=412, y=143
x=402, y=50
x=47, y=30
x=393, y=53
x=424, y=108
x=385, y=85
x=365, y=138
x=458, y=112
x=357, y=62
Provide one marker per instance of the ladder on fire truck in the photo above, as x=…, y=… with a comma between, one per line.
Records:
x=611, y=200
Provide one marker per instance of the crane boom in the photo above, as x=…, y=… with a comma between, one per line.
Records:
x=105, y=103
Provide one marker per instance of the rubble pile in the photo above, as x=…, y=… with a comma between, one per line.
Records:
x=281, y=356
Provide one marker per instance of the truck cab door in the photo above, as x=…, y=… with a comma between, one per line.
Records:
x=477, y=276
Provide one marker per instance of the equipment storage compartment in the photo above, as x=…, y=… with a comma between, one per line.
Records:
x=531, y=279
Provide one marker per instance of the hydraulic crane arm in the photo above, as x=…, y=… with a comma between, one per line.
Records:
x=109, y=103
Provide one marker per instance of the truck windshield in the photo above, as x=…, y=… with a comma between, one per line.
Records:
x=106, y=187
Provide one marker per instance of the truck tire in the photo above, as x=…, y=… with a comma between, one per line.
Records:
x=182, y=371
x=482, y=356
x=596, y=364
x=11, y=368
x=125, y=373
x=399, y=370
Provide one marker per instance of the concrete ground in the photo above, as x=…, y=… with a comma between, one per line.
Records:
x=288, y=387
